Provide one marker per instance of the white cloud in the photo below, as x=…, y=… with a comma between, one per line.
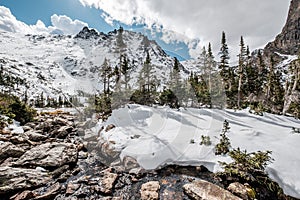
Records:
x=66, y=24
x=108, y=19
x=60, y=23
x=258, y=21
x=8, y=22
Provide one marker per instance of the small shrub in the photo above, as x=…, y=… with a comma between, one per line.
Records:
x=223, y=146
x=167, y=97
x=12, y=107
x=250, y=168
x=2, y=123
x=143, y=97
x=192, y=141
x=205, y=140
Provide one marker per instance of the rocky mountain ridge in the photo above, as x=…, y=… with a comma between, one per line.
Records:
x=288, y=41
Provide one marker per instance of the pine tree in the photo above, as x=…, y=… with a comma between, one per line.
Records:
x=60, y=101
x=147, y=82
x=175, y=82
x=41, y=105
x=176, y=64
x=241, y=70
x=148, y=74
x=215, y=81
x=117, y=75
x=120, y=42
x=275, y=92
x=125, y=70
x=224, y=59
x=223, y=146
x=106, y=74
x=292, y=89
x=227, y=73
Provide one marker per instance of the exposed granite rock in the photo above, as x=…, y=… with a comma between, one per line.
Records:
x=87, y=33
x=239, y=190
x=35, y=136
x=149, y=190
x=25, y=195
x=51, y=192
x=204, y=190
x=288, y=41
x=49, y=155
x=107, y=182
x=109, y=127
x=13, y=179
x=8, y=149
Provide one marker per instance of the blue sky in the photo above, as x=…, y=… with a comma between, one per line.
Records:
x=29, y=11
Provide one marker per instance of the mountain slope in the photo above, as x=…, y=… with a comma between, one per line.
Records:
x=57, y=63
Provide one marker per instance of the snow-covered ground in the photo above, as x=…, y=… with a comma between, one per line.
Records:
x=159, y=136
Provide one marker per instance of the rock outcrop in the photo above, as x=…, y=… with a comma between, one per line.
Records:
x=49, y=155
x=288, y=41
x=14, y=179
x=207, y=191
x=52, y=160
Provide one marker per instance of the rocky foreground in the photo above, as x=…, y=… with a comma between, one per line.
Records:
x=58, y=157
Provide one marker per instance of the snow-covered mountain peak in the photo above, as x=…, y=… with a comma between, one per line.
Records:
x=68, y=64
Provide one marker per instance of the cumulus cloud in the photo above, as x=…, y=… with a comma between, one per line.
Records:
x=60, y=24
x=8, y=22
x=66, y=24
x=258, y=21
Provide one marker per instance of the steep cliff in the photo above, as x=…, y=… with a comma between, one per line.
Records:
x=288, y=41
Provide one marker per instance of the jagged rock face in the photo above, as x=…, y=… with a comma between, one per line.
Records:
x=288, y=41
x=87, y=33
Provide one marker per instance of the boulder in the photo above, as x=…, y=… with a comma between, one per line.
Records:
x=34, y=136
x=107, y=182
x=62, y=122
x=62, y=132
x=71, y=188
x=204, y=190
x=13, y=179
x=49, y=155
x=239, y=190
x=26, y=128
x=130, y=163
x=25, y=195
x=109, y=127
x=149, y=190
x=51, y=192
x=8, y=149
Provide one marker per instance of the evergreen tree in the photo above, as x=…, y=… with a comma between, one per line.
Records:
x=125, y=70
x=227, y=73
x=175, y=83
x=275, y=92
x=215, y=86
x=106, y=74
x=176, y=64
x=292, y=90
x=147, y=82
x=120, y=42
x=148, y=75
x=60, y=101
x=241, y=70
x=117, y=75
x=224, y=59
